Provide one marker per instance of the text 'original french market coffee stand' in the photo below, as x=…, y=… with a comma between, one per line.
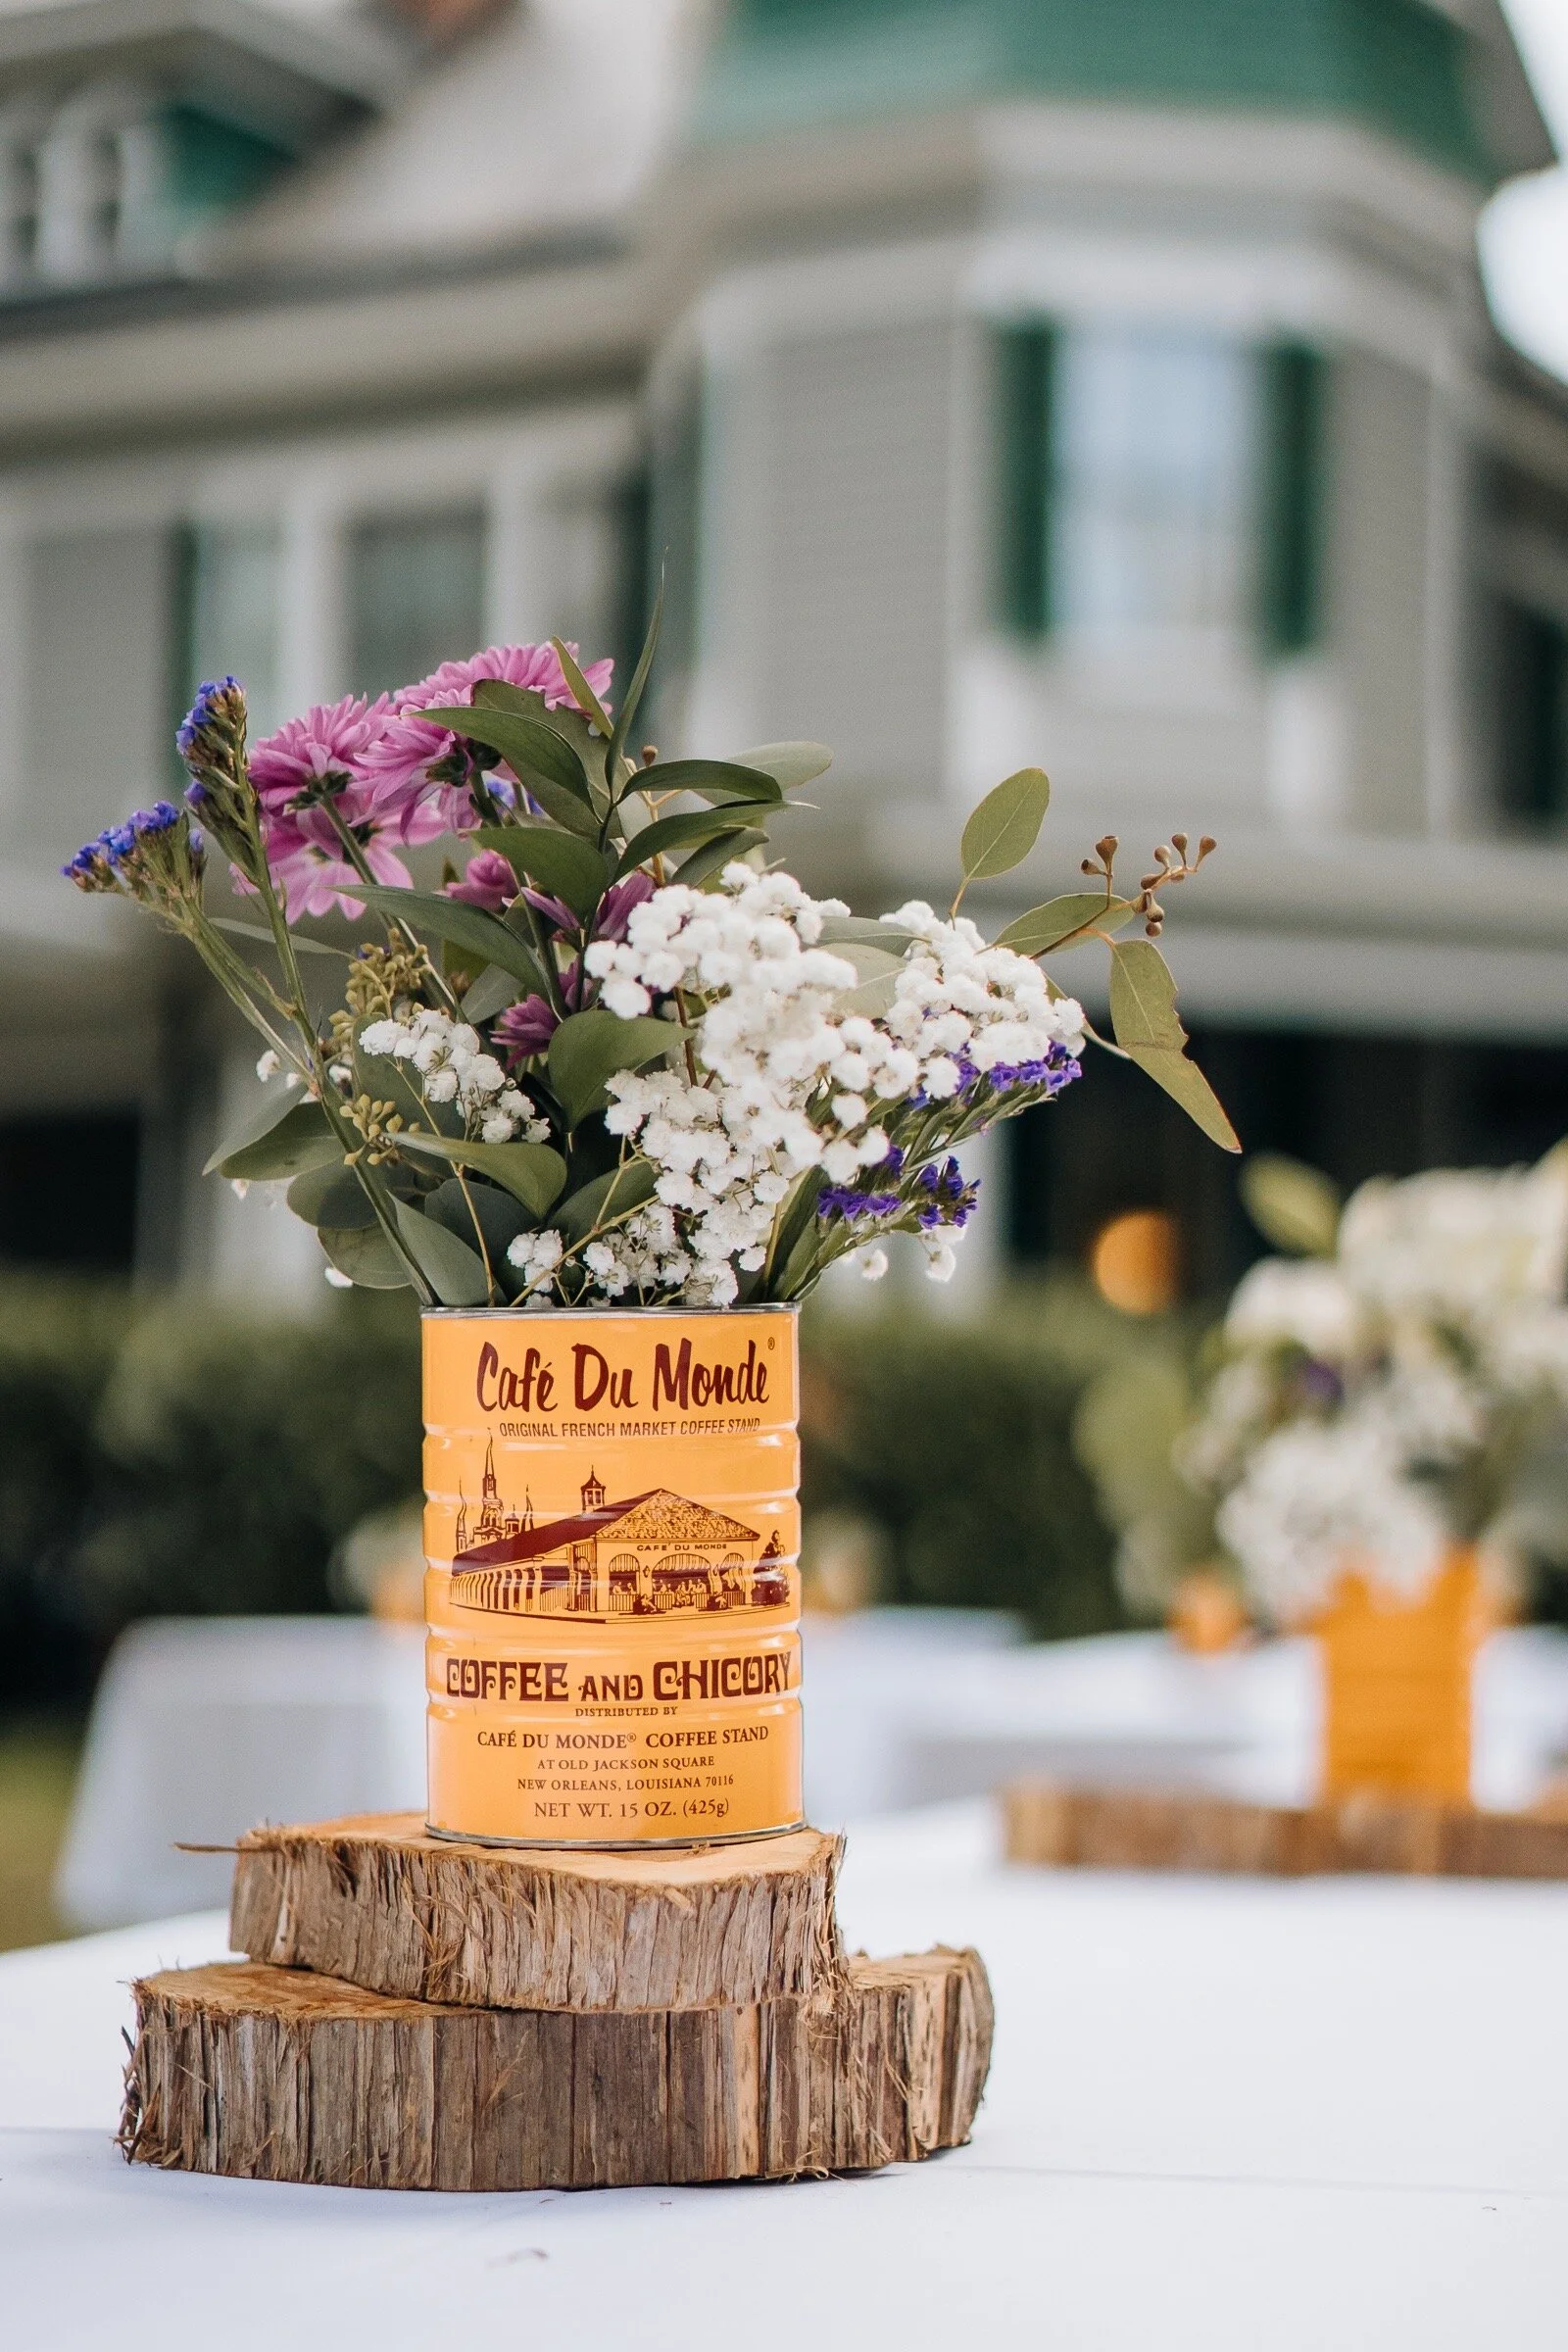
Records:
x=609, y=1103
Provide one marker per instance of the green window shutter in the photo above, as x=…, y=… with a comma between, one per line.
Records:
x=674, y=527
x=1025, y=375
x=1292, y=505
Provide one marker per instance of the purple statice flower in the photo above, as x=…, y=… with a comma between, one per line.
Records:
x=120, y=852
x=525, y=1029
x=489, y=882
x=403, y=765
x=1054, y=1070
x=91, y=868
x=949, y=1202
x=213, y=709
x=844, y=1200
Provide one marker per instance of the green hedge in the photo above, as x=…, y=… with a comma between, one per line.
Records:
x=954, y=1438
x=185, y=1455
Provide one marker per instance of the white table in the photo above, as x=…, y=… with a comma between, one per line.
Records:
x=1225, y=2116
x=204, y=1725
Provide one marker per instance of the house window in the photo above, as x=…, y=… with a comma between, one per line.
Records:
x=1155, y=485
x=1533, y=719
x=415, y=596
x=1154, y=467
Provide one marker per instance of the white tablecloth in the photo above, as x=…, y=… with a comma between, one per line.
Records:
x=1225, y=2116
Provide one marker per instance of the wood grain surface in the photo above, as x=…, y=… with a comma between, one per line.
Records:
x=377, y=1901
x=1131, y=1829
x=281, y=2075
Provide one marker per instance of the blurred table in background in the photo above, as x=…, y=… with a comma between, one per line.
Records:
x=1224, y=2116
x=205, y=1725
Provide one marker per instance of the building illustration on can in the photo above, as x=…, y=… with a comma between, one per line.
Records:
x=647, y=1555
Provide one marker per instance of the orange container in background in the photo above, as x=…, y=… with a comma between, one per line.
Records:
x=611, y=1534
x=1396, y=1687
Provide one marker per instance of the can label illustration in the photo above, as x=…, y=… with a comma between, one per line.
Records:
x=611, y=1534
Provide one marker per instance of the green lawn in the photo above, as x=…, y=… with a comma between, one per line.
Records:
x=39, y=1760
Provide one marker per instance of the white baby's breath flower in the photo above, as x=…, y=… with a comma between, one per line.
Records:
x=269, y=1065
x=873, y=1263
x=1299, y=1302
x=337, y=1278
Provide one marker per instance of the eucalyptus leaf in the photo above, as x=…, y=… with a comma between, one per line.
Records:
x=333, y=1197
x=455, y=1272
x=472, y=928
x=561, y=865
x=366, y=1256
x=790, y=765
x=624, y=1188
x=1296, y=1207
x=532, y=1172
x=1046, y=927
x=872, y=997
x=471, y=1211
x=285, y=1138
x=590, y=1046
x=1186, y=1086
x=852, y=930
x=490, y=993
x=870, y=959
x=1149, y=1030
x=689, y=830
x=1142, y=997
x=716, y=854
x=1003, y=829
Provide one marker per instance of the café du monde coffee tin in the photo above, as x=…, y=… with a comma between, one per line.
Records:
x=611, y=1536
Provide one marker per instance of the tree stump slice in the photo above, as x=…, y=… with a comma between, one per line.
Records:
x=379, y=1902
x=1129, y=1829
x=281, y=2075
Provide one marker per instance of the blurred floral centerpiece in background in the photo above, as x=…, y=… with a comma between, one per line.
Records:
x=1384, y=1435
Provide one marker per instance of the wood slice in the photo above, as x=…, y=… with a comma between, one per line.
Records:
x=1131, y=1829
x=377, y=1901
x=279, y=2075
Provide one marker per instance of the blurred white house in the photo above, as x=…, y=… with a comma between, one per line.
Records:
x=1106, y=385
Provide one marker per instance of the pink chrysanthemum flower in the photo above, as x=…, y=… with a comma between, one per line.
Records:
x=306, y=755
x=398, y=763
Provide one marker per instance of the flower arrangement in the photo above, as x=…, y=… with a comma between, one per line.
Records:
x=618, y=1058
x=1392, y=1390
